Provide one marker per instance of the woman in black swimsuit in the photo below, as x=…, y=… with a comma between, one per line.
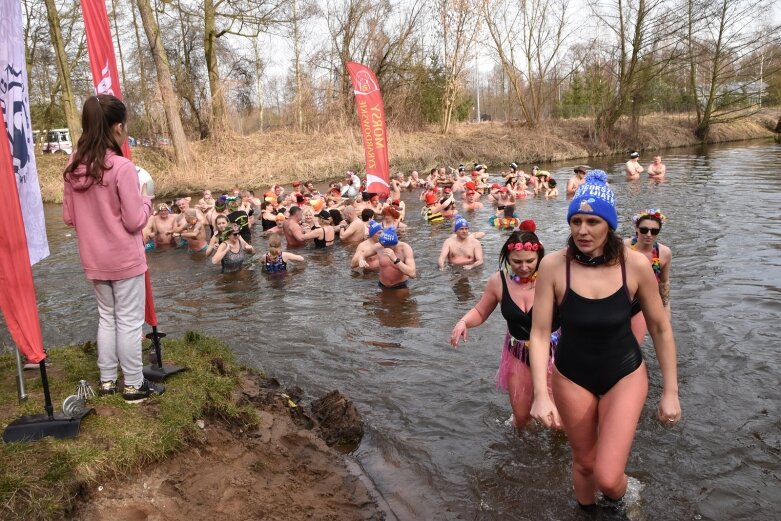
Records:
x=322, y=233
x=600, y=380
x=512, y=287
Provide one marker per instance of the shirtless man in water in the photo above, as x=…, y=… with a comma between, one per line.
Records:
x=353, y=229
x=291, y=228
x=657, y=170
x=633, y=169
x=471, y=202
x=461, y=250
x=160, y=228
x=578, y=179
x=366, y=254
x=194, y=232
x=397, y=262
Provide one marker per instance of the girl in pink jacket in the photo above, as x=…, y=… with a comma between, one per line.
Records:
x=104, y=203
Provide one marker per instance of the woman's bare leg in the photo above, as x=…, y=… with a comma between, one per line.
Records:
x=619, y=412
x=578, y=409
x=520, y=390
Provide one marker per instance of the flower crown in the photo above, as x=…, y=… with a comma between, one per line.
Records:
x=653, y=213
x=528, y=246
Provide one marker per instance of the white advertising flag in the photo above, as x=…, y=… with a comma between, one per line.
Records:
x=15, y=104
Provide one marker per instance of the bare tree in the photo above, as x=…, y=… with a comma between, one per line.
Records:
x=721, y=59
x=529, y=39
x=639, y=29
x=458, y=34
x=233, y=17
x=169, y=99
x=63, y=71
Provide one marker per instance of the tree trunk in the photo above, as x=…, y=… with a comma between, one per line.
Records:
x=170, y=102
x=297, y=67
x=118, y=41
x=144, y=87
x=259, y=79
x=63, y=71
x=219, y=114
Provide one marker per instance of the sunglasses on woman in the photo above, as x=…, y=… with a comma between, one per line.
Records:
x=643, y=230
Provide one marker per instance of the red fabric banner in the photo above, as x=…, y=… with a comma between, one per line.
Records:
x=371, y=112
x=17, y=298
x=100, y=48
x=103, y=63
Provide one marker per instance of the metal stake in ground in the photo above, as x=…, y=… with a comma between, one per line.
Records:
x=35, y=427
x=156, y=371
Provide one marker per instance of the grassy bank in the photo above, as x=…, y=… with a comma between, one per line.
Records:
x=259, y=160
x=43, y=480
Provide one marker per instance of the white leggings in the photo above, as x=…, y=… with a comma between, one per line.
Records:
x=121, y=309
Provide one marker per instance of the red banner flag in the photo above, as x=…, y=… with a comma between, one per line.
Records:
x=103, y=63
x=17, y=298
x=371, y=112
x=100, y=48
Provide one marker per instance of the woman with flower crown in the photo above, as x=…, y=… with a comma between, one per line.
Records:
x=648, y=224
x=512, y=287
x=600, y=380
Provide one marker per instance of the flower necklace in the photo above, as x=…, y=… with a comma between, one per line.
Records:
x=522, y=280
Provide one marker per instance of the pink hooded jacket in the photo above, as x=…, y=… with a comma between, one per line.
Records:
x=108, y=218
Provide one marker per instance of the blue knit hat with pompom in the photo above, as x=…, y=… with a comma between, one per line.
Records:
x=594, y=197
x=389, y=237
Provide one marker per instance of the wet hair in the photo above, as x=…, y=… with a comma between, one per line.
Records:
x=613, y=251
x=521, y=237
x=367, y=214
x=98, y=118
x=275, y=245
x=649, y=217
x=220, y=217
x=336, y=216
x=294, y=210
x=509, y=210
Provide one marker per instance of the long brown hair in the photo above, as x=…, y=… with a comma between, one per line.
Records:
x=99, y=115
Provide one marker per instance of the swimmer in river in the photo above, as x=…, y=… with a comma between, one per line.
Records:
x=462, y=249
x=512, y=287
x=578, y=179
x=648, y=224
x=396, y=261
x=632, y=168
x=657, y=170
x=366, y=254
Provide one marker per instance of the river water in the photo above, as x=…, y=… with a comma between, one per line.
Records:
x=437, y=444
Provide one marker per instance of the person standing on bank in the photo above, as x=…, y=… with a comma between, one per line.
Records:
x=600, y=380
x=102, y=200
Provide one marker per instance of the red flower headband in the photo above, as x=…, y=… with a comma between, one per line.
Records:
x=528, y=246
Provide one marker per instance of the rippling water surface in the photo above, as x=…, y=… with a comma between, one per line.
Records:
x=437, y=445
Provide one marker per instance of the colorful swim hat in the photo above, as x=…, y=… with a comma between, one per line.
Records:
x=431, y=199
x=374, y=227
x=594, y=197
x=460, y=223
x=389, y=237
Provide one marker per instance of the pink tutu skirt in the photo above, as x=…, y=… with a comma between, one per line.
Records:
x=515, y=355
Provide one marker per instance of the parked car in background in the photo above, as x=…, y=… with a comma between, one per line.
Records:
x=58, y=141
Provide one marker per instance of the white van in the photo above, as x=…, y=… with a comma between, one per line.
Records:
x=58, y=141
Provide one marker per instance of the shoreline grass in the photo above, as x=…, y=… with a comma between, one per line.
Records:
x=43, y=480
x=259, y=160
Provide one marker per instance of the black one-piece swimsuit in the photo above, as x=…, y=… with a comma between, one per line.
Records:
x=597, y=347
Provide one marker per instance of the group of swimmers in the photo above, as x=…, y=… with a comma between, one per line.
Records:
x=303, y=215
